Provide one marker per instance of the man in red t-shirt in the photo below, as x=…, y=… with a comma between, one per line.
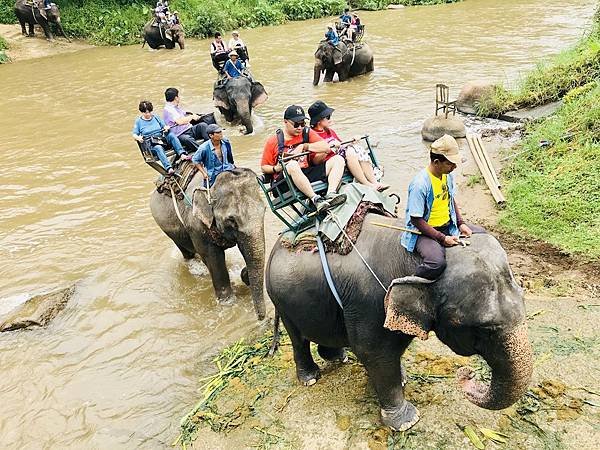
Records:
x=331, y=170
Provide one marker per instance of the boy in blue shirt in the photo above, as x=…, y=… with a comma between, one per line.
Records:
x=149, y=125
x=331, y=35
x=215, y=155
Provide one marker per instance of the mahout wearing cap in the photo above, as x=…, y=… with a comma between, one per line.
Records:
x=447, y=147
x=317, y=111
x=213, y=128
x=294, y=113
x=233, y=53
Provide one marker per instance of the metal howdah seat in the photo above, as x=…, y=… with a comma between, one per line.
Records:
x=291, y=206
x=153, y=162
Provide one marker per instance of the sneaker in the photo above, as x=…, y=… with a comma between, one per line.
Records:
x=335, y=199
x=186, y=157
x=170, y=171
x=321, y=204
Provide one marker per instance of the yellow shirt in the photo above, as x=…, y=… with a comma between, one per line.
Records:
x=440, y=210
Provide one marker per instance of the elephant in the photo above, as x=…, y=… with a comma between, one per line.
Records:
x=347, y=61
x=236, y=97
x=34, y=13
x=475, y=307
x=157, y=36
x=233, y=214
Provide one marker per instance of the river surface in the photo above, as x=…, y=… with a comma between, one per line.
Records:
x=119, y=367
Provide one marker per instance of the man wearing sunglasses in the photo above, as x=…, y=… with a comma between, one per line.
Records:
x=293, y=139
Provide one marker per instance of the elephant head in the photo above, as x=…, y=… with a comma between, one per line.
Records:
x=236, y=98
x=235, y=212
x=328, y=57
x=178, y=35
x=475, y=308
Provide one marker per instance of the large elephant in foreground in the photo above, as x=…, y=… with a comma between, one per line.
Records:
x=158, y=36
x=347, y=61
x=32, y=13
x=236, y=97
x=475, y=307
x=232, y=215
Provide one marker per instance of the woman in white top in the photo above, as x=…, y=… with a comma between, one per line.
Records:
x=235, y=43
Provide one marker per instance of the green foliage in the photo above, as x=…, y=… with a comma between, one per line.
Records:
x=374, y=5
x=554, y=192
x=3, y=43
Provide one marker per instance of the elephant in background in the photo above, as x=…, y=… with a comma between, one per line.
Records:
x=34, y=13
x=156, y=35
x=475, y=307
x=233, y=216
x=347, y=61
x=236, y=97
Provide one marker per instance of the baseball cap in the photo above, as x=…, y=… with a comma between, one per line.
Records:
x=213, y=128
x=448, y=148
x=294, y=113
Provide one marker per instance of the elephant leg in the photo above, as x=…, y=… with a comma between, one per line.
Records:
x=387, y=375
x=370, y=67
x=307, y=370
x=332, y=354
x=214, y=259
x=46, y=27
x=187, y=254
x=343, y=74
x=328, y=75
x=31, y=33
x=23, y=30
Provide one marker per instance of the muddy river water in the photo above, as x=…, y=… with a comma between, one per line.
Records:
x=119, y=367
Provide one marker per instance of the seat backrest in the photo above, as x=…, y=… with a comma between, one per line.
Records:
x=442, y=93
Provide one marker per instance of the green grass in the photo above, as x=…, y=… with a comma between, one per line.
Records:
x=550, y=80
x=553, y=192
x=3, y=46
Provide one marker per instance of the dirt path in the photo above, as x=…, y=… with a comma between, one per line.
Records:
x=23, y=47
x=266, y=408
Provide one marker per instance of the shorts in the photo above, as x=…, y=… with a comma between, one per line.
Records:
x=313, y=173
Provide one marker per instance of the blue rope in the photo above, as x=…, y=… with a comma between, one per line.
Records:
x=325, y=265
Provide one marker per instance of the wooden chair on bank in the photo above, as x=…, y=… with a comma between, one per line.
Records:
x=442, y=95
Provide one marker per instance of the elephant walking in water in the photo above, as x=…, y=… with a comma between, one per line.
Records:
x=236, y=98
x=232, y=215
x=475, y=307
x=157, y=35
x=345, y=60
x=33, y=12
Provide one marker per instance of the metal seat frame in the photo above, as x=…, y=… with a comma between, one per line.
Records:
x=292, y=207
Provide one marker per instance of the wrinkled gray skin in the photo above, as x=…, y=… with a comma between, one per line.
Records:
x=237, y=211
x=236, y=99
x=474, y=308
x=154, y=37
x=31, y=16
x=331, y=61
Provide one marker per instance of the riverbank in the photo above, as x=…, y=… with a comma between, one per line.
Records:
x=552, y=175
x=118, y=22
x=257, y=401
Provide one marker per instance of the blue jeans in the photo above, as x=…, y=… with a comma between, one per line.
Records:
x=159, y=151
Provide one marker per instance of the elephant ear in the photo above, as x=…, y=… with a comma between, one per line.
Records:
x=337, y=56
x=259, y=95
x=220, y=97
x=408, y=307
x=201, y=209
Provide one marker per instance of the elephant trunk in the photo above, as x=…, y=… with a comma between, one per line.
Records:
x=252, y=248
x=61, y=30
x=245, y=113
x=511, y=361
x=317, y=72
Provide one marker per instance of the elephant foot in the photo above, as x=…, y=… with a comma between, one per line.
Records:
x=226, y=299
x=245, y=277
x=332, y=354
x=308, y=377
x=400, y=418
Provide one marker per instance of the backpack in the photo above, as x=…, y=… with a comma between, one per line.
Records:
x=303, y=161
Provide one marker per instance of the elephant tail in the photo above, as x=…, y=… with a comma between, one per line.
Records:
x=276, y=334
x=144, y=43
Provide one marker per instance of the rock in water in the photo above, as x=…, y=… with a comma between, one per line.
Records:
x=437, y=126
x=470, y=95
x=37, y=311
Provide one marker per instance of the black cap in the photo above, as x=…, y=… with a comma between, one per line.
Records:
x=317, y=111
x=294, y=113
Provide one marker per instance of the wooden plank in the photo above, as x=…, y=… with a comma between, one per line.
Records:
x=487, y=159
x=483, y=168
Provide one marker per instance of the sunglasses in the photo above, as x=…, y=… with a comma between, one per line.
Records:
x=298, y=124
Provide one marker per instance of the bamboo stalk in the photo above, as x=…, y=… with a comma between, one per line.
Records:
x=486, y=159
x=484, y=169
x=393, y=227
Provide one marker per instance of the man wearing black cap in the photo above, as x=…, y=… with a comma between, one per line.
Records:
x=293, y=138
x=215, y=155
